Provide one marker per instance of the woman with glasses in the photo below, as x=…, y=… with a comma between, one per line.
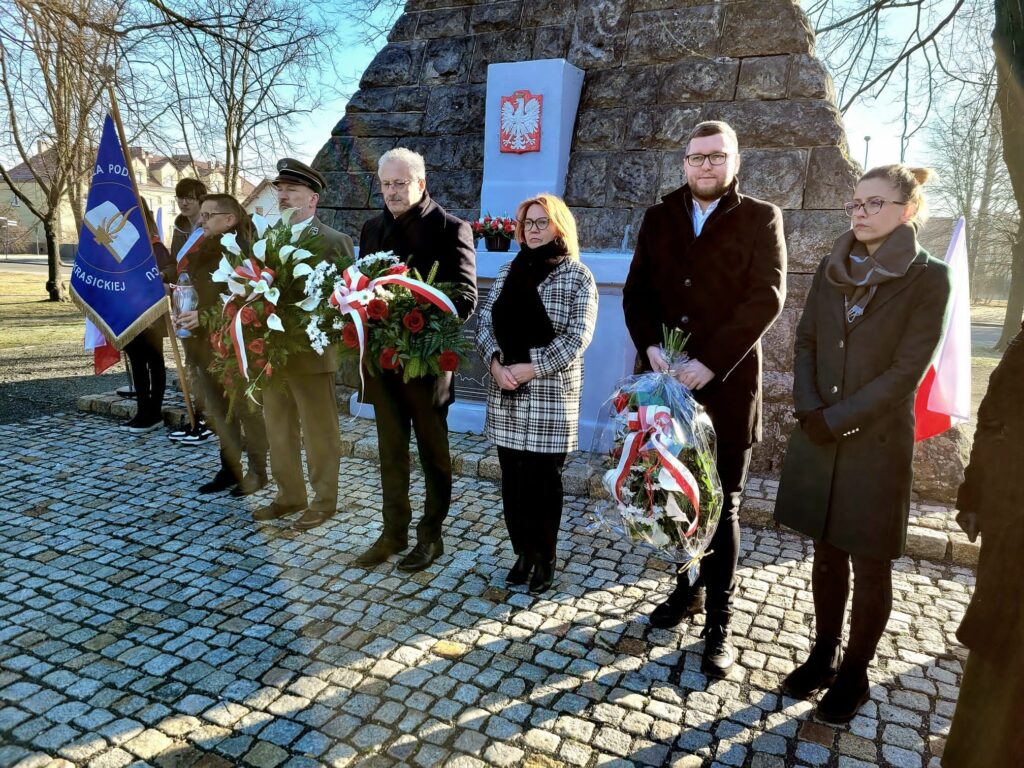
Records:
x=532, y=331
x=873, y=320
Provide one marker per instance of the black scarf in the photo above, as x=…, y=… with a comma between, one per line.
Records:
x=520, y=320
x=401, y=234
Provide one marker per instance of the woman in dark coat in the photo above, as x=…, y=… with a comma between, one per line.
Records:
x=873, y=320
x=988, y=728
x=534, y=327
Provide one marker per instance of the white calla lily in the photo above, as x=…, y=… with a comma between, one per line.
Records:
x=273, y=295
x=237, y=288
x=309, y=304
x=301, y=254
x=286, y=252
x=301, y=270
x=259, y=249
x=260, y=223
x=286, y=215
x=274, y=323
x=229, y=240
x=223, y=272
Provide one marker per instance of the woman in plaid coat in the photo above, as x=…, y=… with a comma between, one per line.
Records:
x=533, y=328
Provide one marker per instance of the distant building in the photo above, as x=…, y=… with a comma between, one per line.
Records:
x=262, y=200
x=156, y=176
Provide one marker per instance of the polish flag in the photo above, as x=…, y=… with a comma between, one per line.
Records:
x=103, y=353
x=944, y=397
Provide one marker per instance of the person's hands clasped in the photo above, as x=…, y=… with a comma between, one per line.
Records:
x=523, y=372
x=503, y=376
x=969, y=522
x=694, y=375
x=187, y=320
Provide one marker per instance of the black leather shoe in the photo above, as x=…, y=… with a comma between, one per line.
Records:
x=221, y=482
x=819, y=671
x=248, y=485
x=543, y=576
x=273, y=510
x=311, y=518
x=847, y=694
x=422, y=555
x=520, y=572
x=718, y=655
x=379, y=551
x=685, y=601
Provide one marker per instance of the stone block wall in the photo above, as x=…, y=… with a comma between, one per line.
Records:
x=654, y=68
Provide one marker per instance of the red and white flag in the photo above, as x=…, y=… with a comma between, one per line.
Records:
x=103, y=353
x=944, y=398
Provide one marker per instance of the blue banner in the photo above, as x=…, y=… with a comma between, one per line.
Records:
x=115, y=279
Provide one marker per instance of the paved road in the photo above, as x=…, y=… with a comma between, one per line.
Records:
x=141, y=625
x=29, y=263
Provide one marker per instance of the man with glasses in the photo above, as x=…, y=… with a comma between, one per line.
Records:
x=305, y=409
x=420, y=232
x=711, y=262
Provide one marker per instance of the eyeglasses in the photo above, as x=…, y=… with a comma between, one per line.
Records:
x=871, y=206
x=716, y=158
x=398, y=185
x=539, y=224
x=206, y=215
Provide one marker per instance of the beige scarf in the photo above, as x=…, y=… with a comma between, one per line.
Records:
x=858, y=274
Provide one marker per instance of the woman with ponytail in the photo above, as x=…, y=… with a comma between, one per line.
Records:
x=873, y=320
x=533, y=328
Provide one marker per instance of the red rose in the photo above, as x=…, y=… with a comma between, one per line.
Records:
x=414, y=320
x=231, y=310
x=349, y=337
x=398, y=269
x=260, y=363
x=487, y=218
x=256, y=346
x=448, y=361
x=510, y=227
x=621, y=402
x=389, y=359
x=248, y=315
x=377, y=309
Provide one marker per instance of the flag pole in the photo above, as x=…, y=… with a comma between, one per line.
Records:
x=115, y=114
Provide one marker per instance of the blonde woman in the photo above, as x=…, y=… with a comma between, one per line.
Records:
x=533, y=328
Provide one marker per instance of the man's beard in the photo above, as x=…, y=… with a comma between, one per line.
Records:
x=712, y=194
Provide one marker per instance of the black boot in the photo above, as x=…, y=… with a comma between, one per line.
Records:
x=223, y=480
x=847, y=694
x=684, y=601
x=520, y=572
x=543, y=576
x=819, y=671
x=718, y=656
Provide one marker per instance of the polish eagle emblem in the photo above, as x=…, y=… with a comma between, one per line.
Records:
x=520, y=122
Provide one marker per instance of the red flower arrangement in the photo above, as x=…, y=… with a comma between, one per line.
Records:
x=497, y=226
x=377, y=309
x=414, y=321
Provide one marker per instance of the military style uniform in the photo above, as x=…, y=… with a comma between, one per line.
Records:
x=305, y=411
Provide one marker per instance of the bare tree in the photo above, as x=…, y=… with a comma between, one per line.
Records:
x=50, y=84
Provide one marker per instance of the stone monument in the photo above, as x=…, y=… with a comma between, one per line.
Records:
x=652, y=69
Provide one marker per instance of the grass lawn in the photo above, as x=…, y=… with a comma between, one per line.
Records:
x=28, y=319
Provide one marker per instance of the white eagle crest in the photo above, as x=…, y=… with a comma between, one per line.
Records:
x=519, y=123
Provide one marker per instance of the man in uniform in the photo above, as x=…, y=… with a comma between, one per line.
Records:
x=305, y=408
x=711, y=262
x=420, y=233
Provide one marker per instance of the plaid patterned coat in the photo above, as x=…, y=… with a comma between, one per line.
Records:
x=543, y=416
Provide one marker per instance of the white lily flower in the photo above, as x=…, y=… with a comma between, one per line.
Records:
x=301, y=254
x=308, y=304
x=286, y=215
x=237, y=288
x=301, y=270
x=229, y=240
x=273, y=295
x=274, y=323
x=259, y=249
x=261, y=224
x=224, y=271
x=285, y=252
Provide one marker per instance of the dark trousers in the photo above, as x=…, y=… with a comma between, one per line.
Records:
x=149, y=374
x=988, y=727
x=531, y=495
x=872, y=599
x=718, y=569
x=244, y=429
x=400, y=409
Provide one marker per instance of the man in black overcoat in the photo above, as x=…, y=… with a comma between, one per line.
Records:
x=420, y=232
x=711, y=262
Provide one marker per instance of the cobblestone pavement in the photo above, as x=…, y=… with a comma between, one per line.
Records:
x=142, y=626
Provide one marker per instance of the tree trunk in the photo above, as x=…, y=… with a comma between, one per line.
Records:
x=54, y=283
x=1008, y=42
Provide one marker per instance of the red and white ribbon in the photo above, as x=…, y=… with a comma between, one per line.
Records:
x=260, y=278
x=650, y=426
x=353, y=292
